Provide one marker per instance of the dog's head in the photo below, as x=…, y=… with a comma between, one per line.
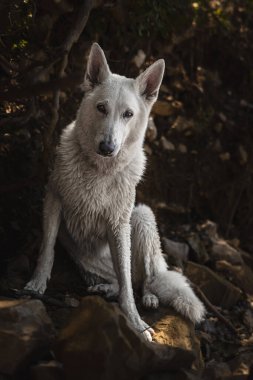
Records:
x=115, y=109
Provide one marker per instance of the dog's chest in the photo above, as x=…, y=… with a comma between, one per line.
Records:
x=90, y=202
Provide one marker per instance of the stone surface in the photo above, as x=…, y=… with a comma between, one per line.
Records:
x=166, y=144
x=220, y=249
x=216, y=371
x=151, y=133
x=218, y=290
x=176, y=251
x=199, y=250
x=51, y=370
x=163, y=108
x=241, y=275
x=173, y=330
x=240, y=365
x=98, y=343
x=25, y=332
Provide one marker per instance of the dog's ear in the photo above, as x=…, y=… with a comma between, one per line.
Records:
x=97, y=68
x=150, y=80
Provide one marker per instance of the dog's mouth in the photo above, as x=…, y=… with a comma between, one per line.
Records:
x=108, y=155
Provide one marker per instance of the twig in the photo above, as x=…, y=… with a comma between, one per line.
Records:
x=211, y=307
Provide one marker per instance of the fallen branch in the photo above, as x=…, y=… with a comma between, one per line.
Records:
x=213, y=309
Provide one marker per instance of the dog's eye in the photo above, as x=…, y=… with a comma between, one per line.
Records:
x=127, y=114
x=101, y=108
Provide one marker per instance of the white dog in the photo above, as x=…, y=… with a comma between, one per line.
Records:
x=91, y=194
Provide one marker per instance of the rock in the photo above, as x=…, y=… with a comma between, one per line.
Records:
x=243, y=155
x=139, y=58
x=216, y=371
x=247, y=258
x=222, y=117
x=51, y=370
x=220, y=249
x=248, y=319
x=240, y=365
x=174, y=330
x=71, y=301
x=151, y=133
x=224, y=156
x=218, y=290
x=181, y=124
x=182, y=148
x=166, y=144
x=198, y=247
x=148, y=150
x=217, y=146
x=241, y=275
x=218, y=127
x=177, y=251
x=163, y=108
x=25, y=332
x=98, y=343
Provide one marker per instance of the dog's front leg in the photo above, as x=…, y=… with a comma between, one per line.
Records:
x=119, y=240
x=51, y=222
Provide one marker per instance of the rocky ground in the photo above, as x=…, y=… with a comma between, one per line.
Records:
x=68, y=334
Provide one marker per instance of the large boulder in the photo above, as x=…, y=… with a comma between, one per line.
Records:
x=26, y=332
x=98, y=343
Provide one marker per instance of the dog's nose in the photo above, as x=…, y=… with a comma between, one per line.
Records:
x=106, y=148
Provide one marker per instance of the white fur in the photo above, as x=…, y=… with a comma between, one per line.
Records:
x=92, y=197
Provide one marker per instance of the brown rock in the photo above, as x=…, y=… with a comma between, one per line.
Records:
x=240, y=365
x=166, y=144
x=25, y=332
x=198, y=247
x=174, y=330
x=218, y=290
x=182, y=148
x=99, y=343
x=241, y=275
x=216, y=371
x=163, y=108
x=51, y=370
x=151, y=133
x=220, y=249
x=181, y=124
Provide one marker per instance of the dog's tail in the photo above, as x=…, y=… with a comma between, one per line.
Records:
x=172, y=288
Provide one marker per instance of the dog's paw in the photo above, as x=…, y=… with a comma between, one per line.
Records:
x=146, y=331
x=108, y=290
x=150, y=301
x=36, y=285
